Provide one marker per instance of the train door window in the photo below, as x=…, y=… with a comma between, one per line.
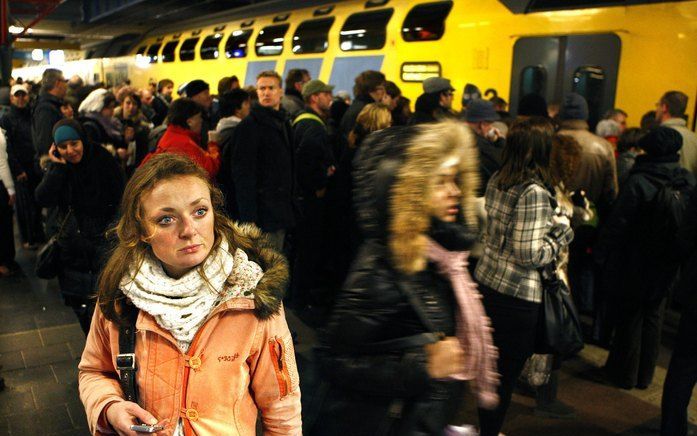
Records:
x=589, y=82
x=153, y=52
x=365, y=30
x=209, y=46
x=270, y=40
x=312, y=36
x=141, y=50
x=533, y=80
x=168, y=51
x=187, y=52
x=236, y=45
x=426, y=22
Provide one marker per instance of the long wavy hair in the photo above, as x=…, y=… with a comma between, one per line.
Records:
x=526, y=154
x=133, y=233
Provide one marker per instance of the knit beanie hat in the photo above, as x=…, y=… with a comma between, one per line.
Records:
x=196, y=87
x=470, y=94
x=661, y=141
x=532, y=105
x=575, y=108
x=65, y=133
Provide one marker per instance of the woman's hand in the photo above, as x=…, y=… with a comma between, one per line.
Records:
x=54, y=156
x=123, y=414
x=445, y=358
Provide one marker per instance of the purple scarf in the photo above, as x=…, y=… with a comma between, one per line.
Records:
x=473, y=328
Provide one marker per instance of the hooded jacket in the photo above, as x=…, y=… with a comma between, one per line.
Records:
x=392, y=180
x=240, y=361
x=20, y=148
x=92, y=191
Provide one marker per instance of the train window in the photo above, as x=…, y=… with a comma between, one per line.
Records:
x=365, y=30
x=141, y=50
x=533, y=80
x=209, y=46
x=312, y=36
x=270, y=40
x=168, y=51
x=153, y=51
x=589, y=82
x=426, y=22
x=187, y=52
x=236, y=45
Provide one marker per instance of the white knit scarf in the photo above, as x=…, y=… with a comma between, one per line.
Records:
x=182, y=305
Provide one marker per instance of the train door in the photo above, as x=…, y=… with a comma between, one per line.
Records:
x=554, y=66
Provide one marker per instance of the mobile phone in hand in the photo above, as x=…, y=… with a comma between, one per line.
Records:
x=145, y=428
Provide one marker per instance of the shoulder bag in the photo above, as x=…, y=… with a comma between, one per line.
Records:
x=48, y=262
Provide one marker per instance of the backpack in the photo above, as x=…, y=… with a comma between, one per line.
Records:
x=666, y=214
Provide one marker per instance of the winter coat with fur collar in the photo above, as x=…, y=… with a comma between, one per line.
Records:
x=241, y=361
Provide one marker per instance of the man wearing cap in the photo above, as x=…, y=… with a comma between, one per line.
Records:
x=47, y=111
x=21, y=154
x=315, y=165
x=262, y=163
x=435, y=103
x=200, y=92
x=481, y=116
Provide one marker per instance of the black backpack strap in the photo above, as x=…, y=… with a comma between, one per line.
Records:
x=126, y=359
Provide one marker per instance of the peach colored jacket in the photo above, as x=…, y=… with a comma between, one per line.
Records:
x=236, y=365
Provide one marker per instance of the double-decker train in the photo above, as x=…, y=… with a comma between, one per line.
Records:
x=622, y=56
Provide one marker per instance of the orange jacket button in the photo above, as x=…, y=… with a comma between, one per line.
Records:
x=191, y=414
x=195, y=362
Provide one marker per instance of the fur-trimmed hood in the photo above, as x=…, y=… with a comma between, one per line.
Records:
x=393, y=178
x=270, y=290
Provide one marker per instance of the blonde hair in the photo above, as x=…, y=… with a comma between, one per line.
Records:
x=373, y=117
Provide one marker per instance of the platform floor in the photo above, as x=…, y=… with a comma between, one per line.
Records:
x=41, y=343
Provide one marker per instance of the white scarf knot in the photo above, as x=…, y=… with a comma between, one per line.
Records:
x=182, y=305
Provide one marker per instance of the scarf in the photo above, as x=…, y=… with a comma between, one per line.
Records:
x=182, y=305
x=473, y=328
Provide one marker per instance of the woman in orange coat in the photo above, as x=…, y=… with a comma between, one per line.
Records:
x=183, y=136
x=212, y=347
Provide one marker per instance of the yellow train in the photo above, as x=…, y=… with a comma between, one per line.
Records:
x=619, y=56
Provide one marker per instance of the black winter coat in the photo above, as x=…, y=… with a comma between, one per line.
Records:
x=313, y=155
x=490, y=160
x=161, y=107
x=371, y=308
x=624, y=247
x=262, y=169
x=20, y=147
x=47, y=112
x=348, y=122
x=92, y=189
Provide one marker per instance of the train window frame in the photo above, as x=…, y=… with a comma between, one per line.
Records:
x=439, y=10
x=169, y=51
x=211, y=44
x=348, y=35
x=141, y=50
x=404, y=73
x=153, y=55
x=235, y=37
x=323, y=27
x=594, y=101
x=259, y=44
x=190, y=52
x=542, y=87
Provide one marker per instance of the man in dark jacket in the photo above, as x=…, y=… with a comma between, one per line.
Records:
x=47, y=111
x=21, y=154
x=369, y=88
x=315, y=165
x=200, y=92
x=490, y=142
x=636, y=249
x=293, y=101
x=262, y=162
x=162, y=100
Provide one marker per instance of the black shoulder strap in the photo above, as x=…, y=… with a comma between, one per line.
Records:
x=126, y=359
x=416, y=304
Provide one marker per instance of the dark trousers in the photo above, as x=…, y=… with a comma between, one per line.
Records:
x=28, y=211
x=681, y=378
x=7, y=237
x=309, y=281
x=514, y=322
x=634, y=351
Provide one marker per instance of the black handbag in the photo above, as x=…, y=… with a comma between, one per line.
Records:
x=48, y=262
x=559, y=328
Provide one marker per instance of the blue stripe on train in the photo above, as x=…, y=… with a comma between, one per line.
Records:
x=346, y=69
x=313, y=66
x=256, y=67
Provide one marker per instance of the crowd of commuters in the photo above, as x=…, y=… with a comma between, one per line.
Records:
x=418, y=243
